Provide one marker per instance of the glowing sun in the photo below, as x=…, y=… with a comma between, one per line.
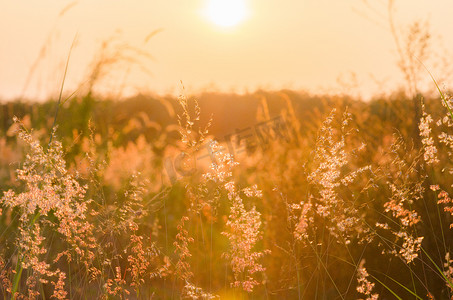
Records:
x=226, y=13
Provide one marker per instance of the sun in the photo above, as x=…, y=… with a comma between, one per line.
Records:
x=226, y=13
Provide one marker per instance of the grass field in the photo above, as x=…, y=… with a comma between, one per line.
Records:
x=271, y=195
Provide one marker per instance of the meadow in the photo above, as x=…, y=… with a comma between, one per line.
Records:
x=270, y=195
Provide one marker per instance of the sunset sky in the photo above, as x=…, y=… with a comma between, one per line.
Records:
x=322, y=46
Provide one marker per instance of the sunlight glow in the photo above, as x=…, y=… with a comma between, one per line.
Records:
x=226, y=13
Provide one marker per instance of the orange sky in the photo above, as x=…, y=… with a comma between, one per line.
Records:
x=295, y=44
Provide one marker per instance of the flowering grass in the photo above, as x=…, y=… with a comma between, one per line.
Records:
x=335, y=204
